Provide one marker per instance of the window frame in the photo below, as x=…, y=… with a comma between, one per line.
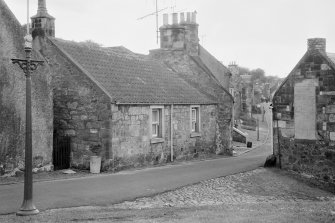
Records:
x=197, y=131
x=159, y=137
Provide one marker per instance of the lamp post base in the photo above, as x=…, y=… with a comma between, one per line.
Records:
x=27, y=208
x=27, y=212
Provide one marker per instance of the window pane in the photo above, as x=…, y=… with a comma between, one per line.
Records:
x=154, y=130
x=194, y=114
x=155, y=116
x=157, y=123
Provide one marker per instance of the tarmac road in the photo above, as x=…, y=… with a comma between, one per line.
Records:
x=127, y=185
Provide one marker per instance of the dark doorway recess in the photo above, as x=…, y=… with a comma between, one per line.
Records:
x=61, y=152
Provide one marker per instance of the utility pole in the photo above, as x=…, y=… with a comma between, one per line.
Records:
x=28, y=65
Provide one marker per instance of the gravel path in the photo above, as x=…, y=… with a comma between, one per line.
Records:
x=258, y=186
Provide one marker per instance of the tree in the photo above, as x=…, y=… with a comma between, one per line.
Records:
x=258, y=75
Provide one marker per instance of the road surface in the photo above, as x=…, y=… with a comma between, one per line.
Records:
x=127, y=185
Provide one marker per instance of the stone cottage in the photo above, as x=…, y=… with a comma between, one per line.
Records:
x=12, y=100
x=181, y=52
x=304, y=111
x=132, y=109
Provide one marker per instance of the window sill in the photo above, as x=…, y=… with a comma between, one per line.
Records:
x=156, y=140
x=195, y=134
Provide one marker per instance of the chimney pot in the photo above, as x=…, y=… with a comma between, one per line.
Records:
x=188, y=19
x=182, y=17
x=317, y=44
x=174, y=18
x=194, y=17
x=165, y=19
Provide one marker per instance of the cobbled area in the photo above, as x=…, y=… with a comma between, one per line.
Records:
x=260, y=196
x=258, y=186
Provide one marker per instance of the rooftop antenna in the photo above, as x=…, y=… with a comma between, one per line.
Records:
x=157, y=22
x=28, y=17
x=156, y=14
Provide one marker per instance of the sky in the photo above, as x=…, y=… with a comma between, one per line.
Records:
x=267, y=34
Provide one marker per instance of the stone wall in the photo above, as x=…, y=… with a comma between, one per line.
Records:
x=131, y=140
x=191, y=71
x=82, y=110
x=312, y=157
x=12, y=100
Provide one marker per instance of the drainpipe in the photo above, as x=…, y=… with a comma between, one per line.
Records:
x=111, y=136
x=171, y=132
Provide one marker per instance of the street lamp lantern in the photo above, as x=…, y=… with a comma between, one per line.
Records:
x=28, y=65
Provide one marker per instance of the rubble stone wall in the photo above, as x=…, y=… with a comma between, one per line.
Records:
x=82, y=111
x=312, y=157
x=12, y=100
x=132, y=145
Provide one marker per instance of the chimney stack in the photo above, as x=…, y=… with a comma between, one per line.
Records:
x=181, y=34
x=316, y=44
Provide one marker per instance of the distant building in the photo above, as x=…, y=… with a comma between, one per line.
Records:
x=304, y=115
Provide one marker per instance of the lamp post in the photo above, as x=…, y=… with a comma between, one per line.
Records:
x=28, y=65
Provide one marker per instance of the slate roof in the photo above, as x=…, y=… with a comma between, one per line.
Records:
x=331, y=56
x=220, y=72
x=131, y=78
